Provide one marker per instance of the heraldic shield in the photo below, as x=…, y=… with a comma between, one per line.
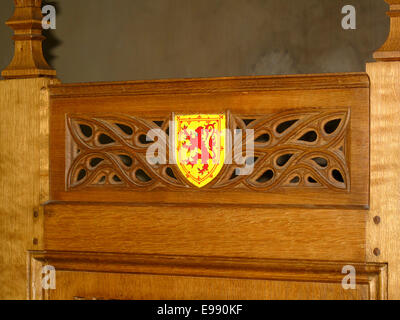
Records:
x=200, y=146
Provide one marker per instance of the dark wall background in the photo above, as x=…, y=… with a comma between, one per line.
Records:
x=103, y=40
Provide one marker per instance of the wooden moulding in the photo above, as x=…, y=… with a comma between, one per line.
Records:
x=390, y=51
x=161, y=270
x=28, y=61
x=210, y=85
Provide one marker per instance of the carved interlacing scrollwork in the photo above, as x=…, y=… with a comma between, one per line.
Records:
x=292, y=149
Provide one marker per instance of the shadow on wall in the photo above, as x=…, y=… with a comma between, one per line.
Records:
x=6, y=44
x=52, y=41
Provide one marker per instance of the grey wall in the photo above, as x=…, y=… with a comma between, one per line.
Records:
x=103, y=40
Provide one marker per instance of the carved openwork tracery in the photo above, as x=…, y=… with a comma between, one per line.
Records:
x=292, y=149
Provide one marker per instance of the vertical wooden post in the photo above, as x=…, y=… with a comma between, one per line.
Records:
x=383, y=228
x=28, y=61
x=390, y=51
x=23, y=148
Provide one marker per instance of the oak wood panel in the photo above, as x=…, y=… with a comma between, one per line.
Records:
x=385, y=183
x=23, y=176
x=245, y=96
x=100, y=276
x=215, y=231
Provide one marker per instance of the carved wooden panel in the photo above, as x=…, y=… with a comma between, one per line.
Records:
x=311, y=140
x=293, y=149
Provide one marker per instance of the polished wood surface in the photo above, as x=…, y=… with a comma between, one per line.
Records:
x=23, y=176
x=345, y=96
x=101, y=276
x=208, y=231
x=28, y=61
x=384, y=223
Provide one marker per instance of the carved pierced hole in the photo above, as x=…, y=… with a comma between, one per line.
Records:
x=143, y=139
x=266, y=176
x=310, y=136
x=159, y=123
x=295, y=180
x=81, y=175
x=167, y=131
x=234, y=175
x=102, y=179
x=142, y=176
x=332, y=125
x=116, y=179
x=248, y=121
x=321, y=162
x=170, y=173
x=283, y=159
x=264, y=138
x=105, y=139
x=284, y=126
x=337, y=176
x=312, y=180
x=126, y=160
x=95, y=161
x=86, y=130
x=125, y=129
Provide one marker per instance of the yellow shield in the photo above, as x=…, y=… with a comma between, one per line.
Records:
x=200, y=146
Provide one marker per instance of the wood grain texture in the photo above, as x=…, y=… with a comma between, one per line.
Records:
x=100, y=286
x=28, y=60
x=390, y=51
x=23, y=176
x=262, y=96
x=385, y=183
x=208, y=231
x=100, y=276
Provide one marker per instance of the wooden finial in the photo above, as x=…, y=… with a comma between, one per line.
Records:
x=28, y=61
x=390, y=51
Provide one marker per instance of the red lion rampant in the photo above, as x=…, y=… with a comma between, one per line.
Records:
x=203, y=141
